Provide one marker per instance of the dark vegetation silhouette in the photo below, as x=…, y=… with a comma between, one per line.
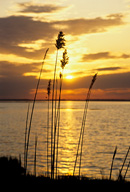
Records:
x=35, y=155
x=13, y=178
x=29, y=129
x=12, y=167
x=113, y=162
x=48, y=119
x=60, y=43
x=120, y=177
x=80, y=143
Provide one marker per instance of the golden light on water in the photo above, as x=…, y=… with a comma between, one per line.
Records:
x=67, y=143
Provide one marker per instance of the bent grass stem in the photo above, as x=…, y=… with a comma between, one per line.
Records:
x=34, y=106
x=80, y=142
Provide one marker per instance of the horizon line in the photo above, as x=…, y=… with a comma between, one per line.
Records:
x=2, y=100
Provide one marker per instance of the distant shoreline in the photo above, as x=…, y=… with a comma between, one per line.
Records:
x=28, y=100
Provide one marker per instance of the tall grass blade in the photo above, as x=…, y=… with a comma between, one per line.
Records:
x=64, y=61
x=80, y=142
x=84, y=120
x=26, y=136
x=127, y=169
x=34, y=106
x=57, y=124
x=60, y=43
x=48, y=93
x=52, y=118
x=35, y=156
x=123, y=163
x=115, y=151
x=55, y=117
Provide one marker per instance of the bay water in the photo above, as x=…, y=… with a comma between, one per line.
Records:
x=107, y=126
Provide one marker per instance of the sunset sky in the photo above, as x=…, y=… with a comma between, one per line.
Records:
x=97, y=34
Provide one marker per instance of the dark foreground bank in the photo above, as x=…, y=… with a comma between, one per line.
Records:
x=12, y=175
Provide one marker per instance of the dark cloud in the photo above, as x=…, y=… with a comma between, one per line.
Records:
x=14, y=85
x=8, y=69
x=12, y=82
x=22, y=29
x=32, y=8
x=108, y=69
x=15, y=30
x=119, y=81
x=12, y=88
x=103, y=55
x=110, y=81
x=95, y=25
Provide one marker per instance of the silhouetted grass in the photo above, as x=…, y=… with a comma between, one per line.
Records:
x=120, y=177
x=113, y=162
x=126, y=170
x=81, y=137
x=25, y=142
x=35, y=155
x=48, y=118
x=64, y=61
x=29, y=129
x=60, y=43
x=12, y=176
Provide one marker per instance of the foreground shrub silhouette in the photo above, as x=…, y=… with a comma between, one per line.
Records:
x=10, y=167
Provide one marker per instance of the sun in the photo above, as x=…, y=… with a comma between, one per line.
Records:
x=69, y=77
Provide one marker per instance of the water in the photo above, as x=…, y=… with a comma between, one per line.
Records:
x=107, y=126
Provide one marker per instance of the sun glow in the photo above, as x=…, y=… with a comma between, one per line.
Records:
x=69, y=77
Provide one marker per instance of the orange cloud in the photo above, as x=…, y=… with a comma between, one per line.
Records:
x=80, y=94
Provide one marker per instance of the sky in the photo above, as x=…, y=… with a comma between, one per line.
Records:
x=97, y=41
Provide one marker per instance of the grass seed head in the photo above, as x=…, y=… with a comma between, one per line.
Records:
x=60, y=42
x=65, y=59
x=93, y=81
x=49, y=88
x=61, y=75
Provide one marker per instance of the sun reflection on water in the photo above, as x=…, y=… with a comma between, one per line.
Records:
x=67, y=139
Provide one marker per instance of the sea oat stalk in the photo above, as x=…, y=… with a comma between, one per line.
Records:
x=84, y=118
x=64, y=61
x=60, y=43
x=127, y=169
x=80, y=142
x=48, y=94
x=115, y=151
x=25, y=142
x=34, y=106
x=123, y=164
x=35, y=156
x=58, y=120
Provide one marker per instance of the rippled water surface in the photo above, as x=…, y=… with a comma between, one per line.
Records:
x=107, y=126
